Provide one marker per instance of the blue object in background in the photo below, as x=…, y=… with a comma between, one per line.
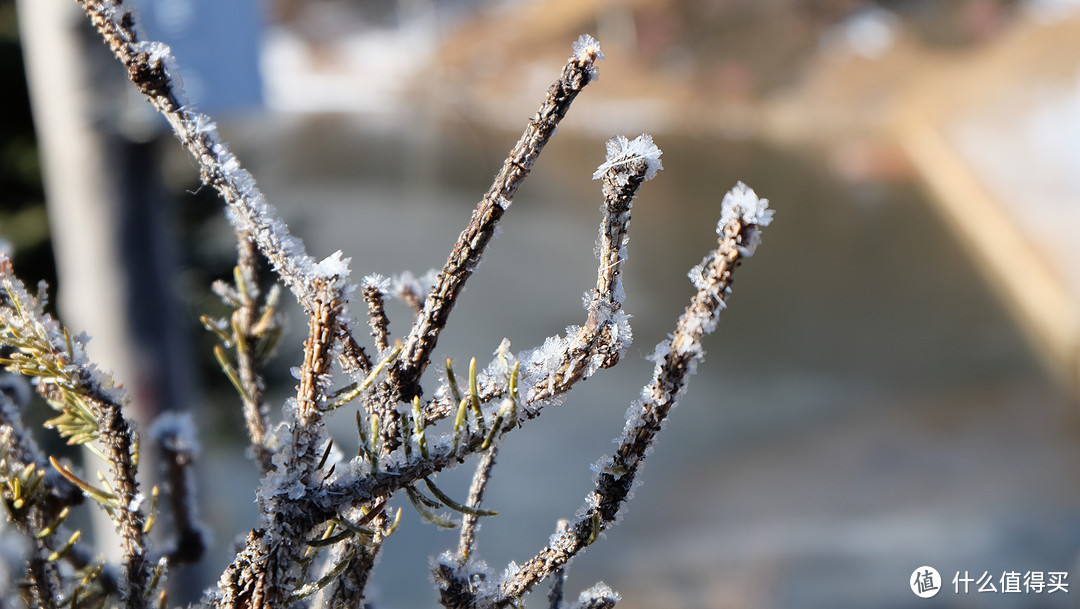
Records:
x=216, y=45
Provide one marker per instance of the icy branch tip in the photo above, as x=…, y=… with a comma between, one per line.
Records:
x=742, y=203
x=334, y=266
x=621, y=151
x=587, y=49
x=586, y=53
x=378, y=282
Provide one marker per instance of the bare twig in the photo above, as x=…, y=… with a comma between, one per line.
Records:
x=247, y=316
x=174, y=434
x=467, y=541
x=374, y=290
x=555, y=596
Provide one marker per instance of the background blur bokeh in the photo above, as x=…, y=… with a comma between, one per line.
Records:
x=878, y=397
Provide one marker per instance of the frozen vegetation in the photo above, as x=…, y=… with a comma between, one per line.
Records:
x=324, y=516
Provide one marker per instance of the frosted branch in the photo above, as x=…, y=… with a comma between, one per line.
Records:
x=304, y=506
x=578, y=72
x=266, y=572
x=552, y=369
x=587, y=52
x=676, y=361
x=19, y=450
x=67, y=379
x=410, y=289
x=152, y=69
x=622, y=152
x=347, y=590
x=560, y=363
x=600, y=596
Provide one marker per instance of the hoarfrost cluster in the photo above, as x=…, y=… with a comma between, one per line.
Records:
x=622, y=151
x=587, y=52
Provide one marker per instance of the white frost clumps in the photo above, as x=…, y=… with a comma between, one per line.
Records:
x=379, y=282
x=621, y=332
x=542, y=362
x=480, y=578
x=334, y=267
x=600, y=595
x=697, y=273
x=159, y=52
x=621, y=151
x=407, y=282
x=587, y=51
x=743, y=203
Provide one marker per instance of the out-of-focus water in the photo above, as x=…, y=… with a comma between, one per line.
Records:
x=866, y=406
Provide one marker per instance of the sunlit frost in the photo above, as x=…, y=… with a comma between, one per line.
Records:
x=621, y=151
x=743, y=203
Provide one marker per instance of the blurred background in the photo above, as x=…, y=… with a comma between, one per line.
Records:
x=895, y=382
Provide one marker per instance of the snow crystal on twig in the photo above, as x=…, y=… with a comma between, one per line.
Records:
x=743, y=203
x=334, y=266
x=587, y=51
x=621, y=151
x=406, y=283
x=600, y=595
x=379, y=282
x=587, y=48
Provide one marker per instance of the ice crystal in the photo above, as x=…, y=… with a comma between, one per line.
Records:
x=543, y=361
x=600, y=595
x=621, y=151
x=743, y=203
x=334, y=266
x=378, y=282
x=511, y=570
x=697, y=273
x=406, y=282
x=587, y=51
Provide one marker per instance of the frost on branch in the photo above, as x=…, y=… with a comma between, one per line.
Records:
x=600, y=596
x=676, y=360
x=742, y=203
x=587, y=52
x=621, y=152
x=310, y=502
